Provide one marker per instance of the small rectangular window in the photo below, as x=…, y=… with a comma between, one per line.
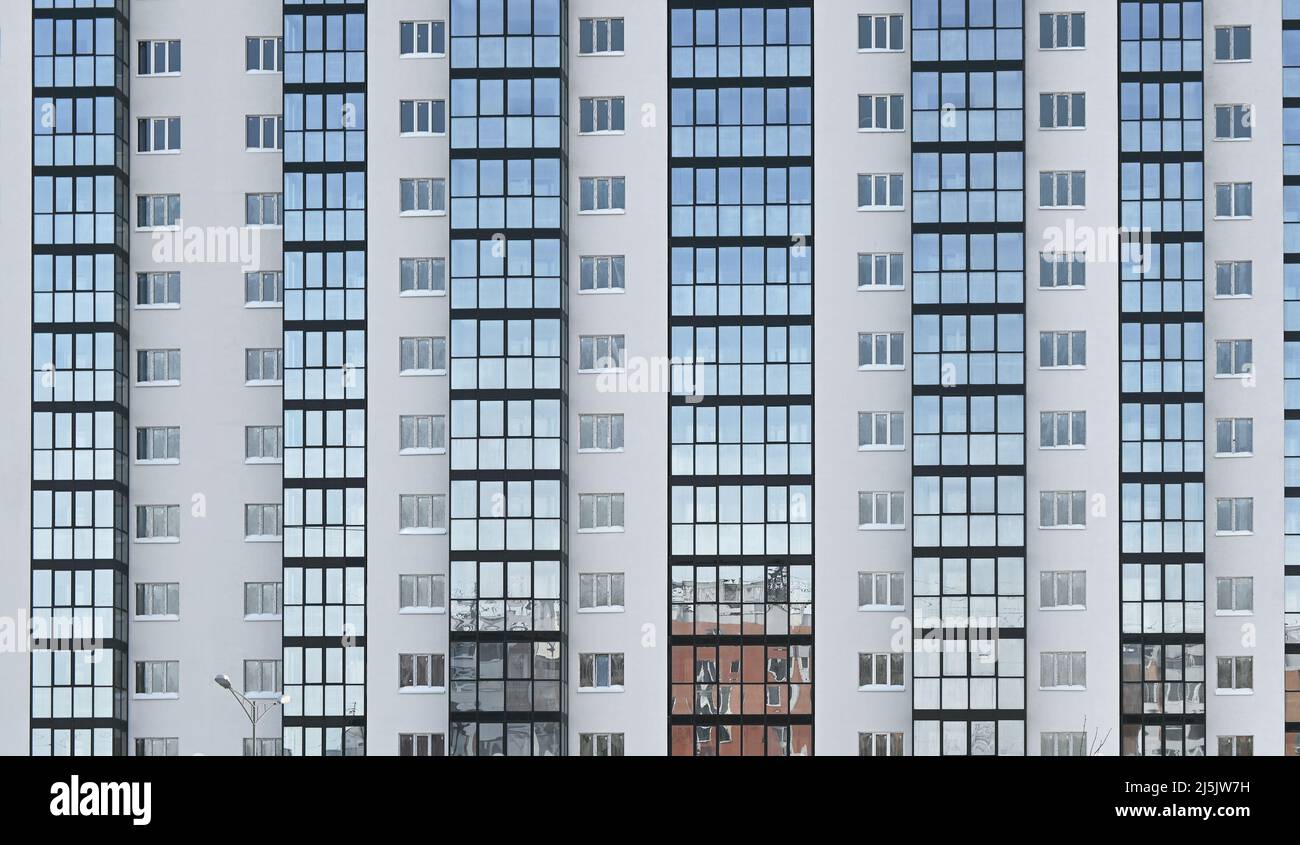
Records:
x=263, y=600
x=422, y=593
x=880, y=33
x=1063, y=429
x=600, y=512
x=1235, y=674
x=158, y=366
x=158, y=445
x=601, y=591
x=1063, y=350
x=600, y=115
x=154, y=746
x=263, y=133
x=263, y=210
x=1058, y=270
x=157, y=211
x=602, y=195
x=1063, y=590
x=423, y=117
x=1234, y=437
x=600, y=745
x=877, y=510
x=423, y=196
x=1232, y=43
x=423, y=356
x=423, y=39
x=263, y=522
x=422, y=513
x=880, y=590
x=421, y=671
x=1234, y=358
x=263, y=444
x=421, y=745
x=1061, y=31
x=1235, y=595
x=600, y=37
x=880, y=669
x=263, y=366
x=1236, y=746
x=262, y=677
x=158, y=290
x=423, y=276
x=1234, y=279
x=880, y=271
x=1234, y=200
x=423, y=434
x=1234, y=122
x=880, y=430
x=1063, y=670
x=264, y=288
x=602, y=353
x=157, y=600
x=1062, y=189
x=1235, y=516
x=158, y=135
x=158, y=58
x=1062, y=110
x=880, y=351
x=880, y=113
x=880, y=192
x=1063, y=744
x=600, y=432
x=880, y=744
x=600, y=671
x=264, y=54
x=1062, y=509
x=602, y=274
x=158, y=677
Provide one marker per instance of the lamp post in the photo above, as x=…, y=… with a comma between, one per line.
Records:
x=251, y=708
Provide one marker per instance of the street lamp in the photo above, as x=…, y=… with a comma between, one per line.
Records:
x=252, y=709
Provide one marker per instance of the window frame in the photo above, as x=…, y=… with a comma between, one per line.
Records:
x=434, y=26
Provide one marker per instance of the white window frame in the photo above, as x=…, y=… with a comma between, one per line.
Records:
x=150, y=594
x=607, y=187
x=1240, y=513
x=615, y=592
x=1241, y=670
x=256, y=519
x=874, y=103
x=426, y=276
x=160, y=679
x=882, y=25
x=1238, y=429
x=1241, y=357
x=1055, y=106
x=1237, y=745
x=614, y=520
x=275, y=42
x=420, y=351
x=1239, y=603
x=261, y=280
x=1065, y=271
x=427, y=195
x=1074, y=744
x=421, y=745
x=260, y=432
x=886, y=186
x=614, y=431
x=428, y=118
x=422, y=666
x=1232, y=31
x=1237, y=194
x=273, y=201
x=153, y=46
x=259, y=673
x=589, y=667
x=880, y=744
x=602, y=353
x=164, y=207
x=1241, y=121
x=881, y=671
x=169, y=434
x=871, y=503
x=430, y=27
x=150, y=363
x=879, y=271
x=1072, y=421
x=1063, y=670
x=146, y=134
x=1066, y=182
x=1064, y=341
x=601, y=745
x=1072, y=20
x=420, y=587
x=257, y=362
x=893, y=427
x=268, y=127
x=894, y=342
x=594, y=24
x=1239, y=276
x=262, y=588
x=149, y=285
x=157, y=746
x=412, y=508
x=872, y=584
x=602, y=274
x=1065, y=587
x=1068, y=510
x=611, y=110
x=422, y=428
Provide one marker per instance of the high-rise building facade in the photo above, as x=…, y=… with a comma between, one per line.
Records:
x=525, y=377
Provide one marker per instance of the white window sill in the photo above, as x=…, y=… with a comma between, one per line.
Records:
x=882, y=448
x=871, y=130
x=870, y=208
x=880, y=49
x=264, y=696
x=421, y=690
x=1061, y=49
x=147, y=229
x=164, y=462
x=613, y=372
x=264, y=306
x=156, y=696
x=1066, y=367
x=157, y=152
x=597, y=133
x=1061, y=128
x=157, y=75
x=1070, y=448
x=262, y=150
x=595, y=611
x=421, y=373
x=165, y=306
x=1232, y=376
x=881, y=288
x=263, y=617
x=1233, y=217
x=263, y=461
x=881, y=368
x=1234, y=296
x=1234, y=140
x=1062, y=528
x=882, y=527
x=260, y=226
x=263, y=538
x=880, y=608
x=1062, y=208
x=1062, y=287
x=156, y=541
x=1064, y=608
x=1234, y=455
x=174, y=383
x=600, y=530
x=599, y=690
x=262, y=72
x=419, y=452
x=422, y=214
x=1067, y=688
x=422, y=294
x=264, y=383
x=421, y=611
x=1232, y=61
x=1234, y=692
x=422, y=134
x=882, y=688
x=606, y=292
x=421, y=532
x=1234, y=533
x=169, y=617
x=1234, y=613
x=600, y=451
x=602, y=54
x=422, y=56
x=602, y=212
